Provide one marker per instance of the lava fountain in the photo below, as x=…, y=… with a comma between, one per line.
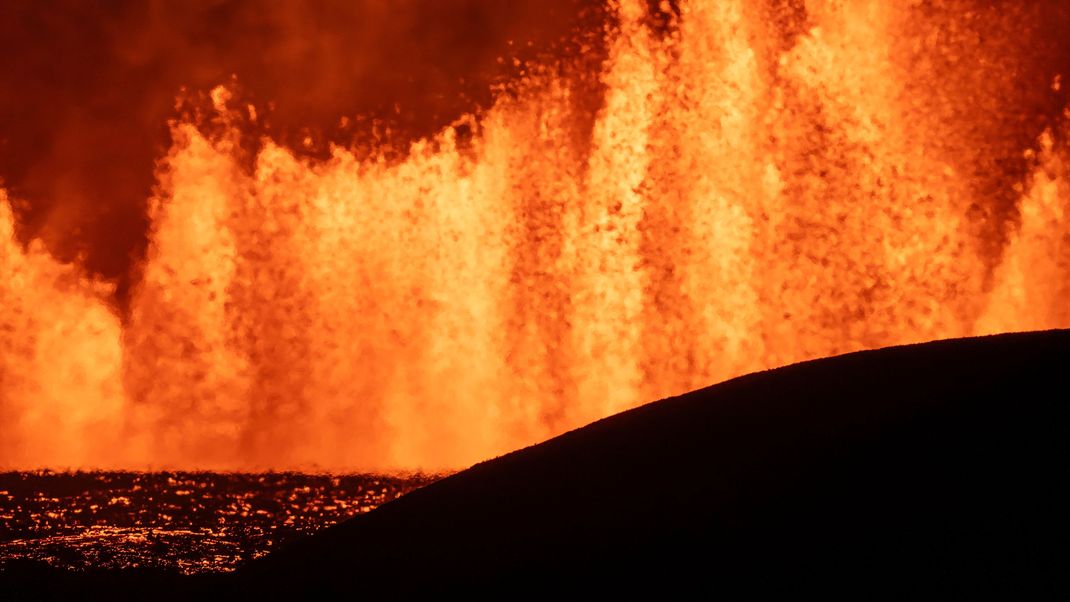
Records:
x=752, y=192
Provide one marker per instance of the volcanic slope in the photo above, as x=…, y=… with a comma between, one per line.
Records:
x=924, y=470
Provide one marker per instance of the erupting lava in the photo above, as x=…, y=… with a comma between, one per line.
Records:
x=749, y=195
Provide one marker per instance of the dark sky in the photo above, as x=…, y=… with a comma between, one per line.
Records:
x=87, y=87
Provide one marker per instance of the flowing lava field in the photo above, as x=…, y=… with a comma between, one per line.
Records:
x=186, y=522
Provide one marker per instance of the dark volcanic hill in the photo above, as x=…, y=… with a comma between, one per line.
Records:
x=926, y=470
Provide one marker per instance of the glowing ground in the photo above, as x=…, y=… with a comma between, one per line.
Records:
x=189, y=522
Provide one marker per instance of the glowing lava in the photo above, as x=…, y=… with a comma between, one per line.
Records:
x=745, y=199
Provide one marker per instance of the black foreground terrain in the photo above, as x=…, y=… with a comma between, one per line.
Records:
x=934, y=470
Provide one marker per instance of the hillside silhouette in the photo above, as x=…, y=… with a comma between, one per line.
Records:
x=924, y=470
x=932, y=470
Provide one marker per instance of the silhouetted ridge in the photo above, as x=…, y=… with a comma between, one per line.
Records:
x=927, y=469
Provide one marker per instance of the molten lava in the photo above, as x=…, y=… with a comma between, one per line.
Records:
x=749, y=195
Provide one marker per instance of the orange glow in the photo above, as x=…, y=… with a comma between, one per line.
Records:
x=60, y=360
x=739, y=204
x=1033, y=281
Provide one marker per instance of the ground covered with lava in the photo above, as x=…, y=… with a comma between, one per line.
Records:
x=189, y=522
